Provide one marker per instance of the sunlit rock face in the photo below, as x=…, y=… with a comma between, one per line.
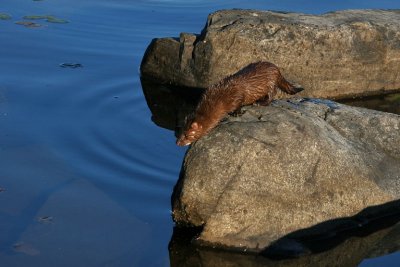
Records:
x=334, y=55
x=271, y=171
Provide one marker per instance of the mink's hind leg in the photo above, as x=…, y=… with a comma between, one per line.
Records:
x=265, y=101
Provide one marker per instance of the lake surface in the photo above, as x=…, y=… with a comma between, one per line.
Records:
x=85, y=175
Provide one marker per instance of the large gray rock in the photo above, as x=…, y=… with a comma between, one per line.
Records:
x=334, y=55
x=278, y=169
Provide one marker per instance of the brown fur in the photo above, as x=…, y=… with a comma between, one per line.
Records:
x=257, y=82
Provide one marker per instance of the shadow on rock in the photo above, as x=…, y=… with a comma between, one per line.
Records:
x=338, y=232
x=372, y=233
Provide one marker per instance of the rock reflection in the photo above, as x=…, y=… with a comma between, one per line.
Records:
x=387, y=102
x=169, y=105
x=350, y=249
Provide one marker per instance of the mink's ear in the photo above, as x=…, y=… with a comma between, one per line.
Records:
x=194, y=126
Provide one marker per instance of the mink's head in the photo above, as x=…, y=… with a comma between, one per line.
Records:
x=191, y=132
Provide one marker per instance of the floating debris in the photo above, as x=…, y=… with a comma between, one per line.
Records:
x=29, y=24
x=71, y=65
x=48, y=18
x=5, y=16
x=2, y=189
x=45, y=219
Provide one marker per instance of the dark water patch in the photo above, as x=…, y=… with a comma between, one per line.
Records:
x=387, y=102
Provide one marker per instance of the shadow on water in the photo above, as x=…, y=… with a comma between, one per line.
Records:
x=20, y=222
x=35, y=223
x=373, y=232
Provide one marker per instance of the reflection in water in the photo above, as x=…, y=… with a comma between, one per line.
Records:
x=387, y=103
x=169, y=105
x=347, y=248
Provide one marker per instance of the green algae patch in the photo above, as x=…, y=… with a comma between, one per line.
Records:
x=56, y=20
x=5, y=16
x=35, y=17
x=48, y=18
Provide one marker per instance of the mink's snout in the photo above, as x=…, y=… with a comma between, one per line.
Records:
x=183, y=142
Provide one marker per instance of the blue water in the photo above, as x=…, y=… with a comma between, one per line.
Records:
x=85, y=176
x=391, y=260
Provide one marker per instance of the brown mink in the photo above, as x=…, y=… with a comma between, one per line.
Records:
x=255, y=83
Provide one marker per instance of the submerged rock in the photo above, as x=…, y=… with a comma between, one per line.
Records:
x=334, y=55
x=284, y=168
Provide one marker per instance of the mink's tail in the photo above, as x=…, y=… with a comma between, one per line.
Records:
x=287, y=87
